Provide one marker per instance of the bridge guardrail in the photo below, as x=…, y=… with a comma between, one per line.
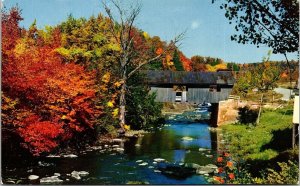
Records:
x=234, y=97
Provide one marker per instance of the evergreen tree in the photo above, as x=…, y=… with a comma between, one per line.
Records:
x=177, y=62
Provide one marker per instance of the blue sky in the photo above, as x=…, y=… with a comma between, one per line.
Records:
x=208, y=31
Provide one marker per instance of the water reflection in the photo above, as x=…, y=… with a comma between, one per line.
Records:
x=111, y=168
x=170, y=143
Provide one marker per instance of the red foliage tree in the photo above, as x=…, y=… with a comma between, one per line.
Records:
x=55, y=100
x=186, y=62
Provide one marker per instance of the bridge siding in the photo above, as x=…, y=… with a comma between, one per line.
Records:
x=164, y=94
x=198, y=95
x=194, y=95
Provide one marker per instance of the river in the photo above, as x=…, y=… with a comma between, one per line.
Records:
x=135, y=165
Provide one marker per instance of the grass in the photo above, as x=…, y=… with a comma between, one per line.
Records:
x=264, y=141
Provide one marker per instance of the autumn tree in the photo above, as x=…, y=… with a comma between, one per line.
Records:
x=198, y=63
x=265, y=75
x=186, y=62
x=46, y=102
x=132, y=57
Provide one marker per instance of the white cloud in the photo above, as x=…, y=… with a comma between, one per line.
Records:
x=195, y=25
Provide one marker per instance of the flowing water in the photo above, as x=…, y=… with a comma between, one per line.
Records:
x=121, y=168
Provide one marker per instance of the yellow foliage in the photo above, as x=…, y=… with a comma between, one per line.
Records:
x=103, y=87
x=110, y=104
x=106, y=77
x=221, y=66
x=118, y=84
x=168, y=58
x=127, y=127
x=20, y=48
x=146, y=35
x=115, y=112
x=210, y=68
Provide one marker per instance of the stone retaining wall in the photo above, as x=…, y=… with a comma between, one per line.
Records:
x=228, y=111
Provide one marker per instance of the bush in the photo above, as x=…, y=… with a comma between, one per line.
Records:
x=143, y=112
x=247, y=116
x=289, y=174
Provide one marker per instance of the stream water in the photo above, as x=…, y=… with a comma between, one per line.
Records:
x=135, y=164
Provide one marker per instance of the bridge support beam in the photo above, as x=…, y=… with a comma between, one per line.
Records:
x=214, y=115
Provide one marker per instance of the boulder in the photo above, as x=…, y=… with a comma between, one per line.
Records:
x=143, y=164
x=202, y=149
x=205, y=170
x=77, y=174
x=119, y=149
x=192, y=165
x=52, y=179
x=187, y=138
x=117, y=140
x=53, y=156
x=56, y=174
x=177, y=172
x=159, y=159
x=70, y=156
x=139, y=161
x=33, y=177
x=212, y=166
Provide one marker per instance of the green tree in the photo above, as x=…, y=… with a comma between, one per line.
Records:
x=177, y=62
x=274, y=23
x=143, y=111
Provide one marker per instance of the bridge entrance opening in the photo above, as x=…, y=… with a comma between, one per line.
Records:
x=178, y=97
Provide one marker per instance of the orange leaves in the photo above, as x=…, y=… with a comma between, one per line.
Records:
x=186, y=63
x=219, y=159
x=159, y=51
x=231, y=176
x=219, y=179
x=40, y=136
x=106, y=77
x=43, y=95
x=229, y=164
x=226, y=169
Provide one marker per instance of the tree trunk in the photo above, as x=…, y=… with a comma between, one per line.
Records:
x=259, y=112
x=122, y=106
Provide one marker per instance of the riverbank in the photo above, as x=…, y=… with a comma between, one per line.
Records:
x=262, y=146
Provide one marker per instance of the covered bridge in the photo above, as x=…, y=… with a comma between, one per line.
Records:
x=191, y=87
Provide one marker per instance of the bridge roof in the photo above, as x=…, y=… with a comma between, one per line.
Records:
x=188, y=78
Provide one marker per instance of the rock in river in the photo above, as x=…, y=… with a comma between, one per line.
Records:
x=143, y=164
x=33, y=177
x=52, y=179
x=187, y=138
x=178, y=172
x=205, y=170
x=70, y=156
x=192, y=165
x=77, y=174
x=159, y=159
x=202, y=149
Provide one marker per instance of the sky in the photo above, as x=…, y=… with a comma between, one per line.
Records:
x=208, y=31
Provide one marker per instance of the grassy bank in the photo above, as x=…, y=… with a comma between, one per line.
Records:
x=266, y=140
x=258, y=149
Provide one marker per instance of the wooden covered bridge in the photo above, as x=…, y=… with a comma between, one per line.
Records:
x=192, y=87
